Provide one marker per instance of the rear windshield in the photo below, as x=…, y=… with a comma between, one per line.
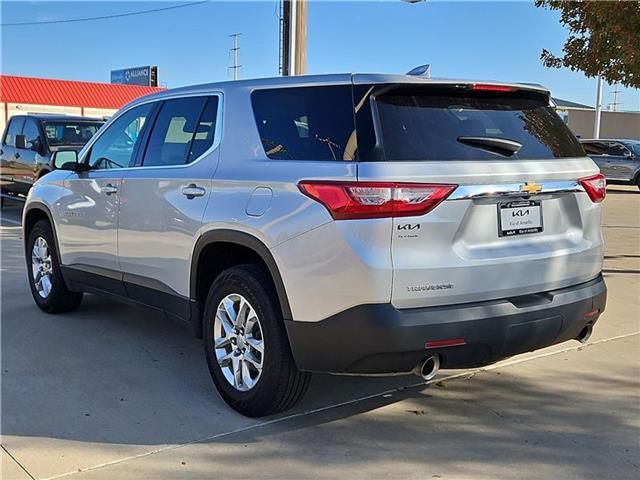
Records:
x=415, y=124
x=70, y=133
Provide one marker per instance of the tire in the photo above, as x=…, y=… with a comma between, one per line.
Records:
x=57, y=298
x=279, y=384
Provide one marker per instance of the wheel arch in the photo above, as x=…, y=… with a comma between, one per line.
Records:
x=233, y=240
x=34, y=212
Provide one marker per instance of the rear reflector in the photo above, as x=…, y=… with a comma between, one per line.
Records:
x=595, y=186
x=591, y=314
x=491, y=88
x=452, y=342
x=357, y=200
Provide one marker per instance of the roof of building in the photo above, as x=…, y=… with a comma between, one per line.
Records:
x=46, y=91
x=568, y=104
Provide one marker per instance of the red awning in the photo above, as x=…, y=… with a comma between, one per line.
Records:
x=45, y=91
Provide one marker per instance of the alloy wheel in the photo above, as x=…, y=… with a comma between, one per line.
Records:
x=41, y=267
x=238, y=342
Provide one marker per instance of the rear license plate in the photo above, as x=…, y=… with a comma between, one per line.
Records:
x=519, y=218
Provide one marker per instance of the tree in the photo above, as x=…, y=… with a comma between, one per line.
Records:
x=604, y=39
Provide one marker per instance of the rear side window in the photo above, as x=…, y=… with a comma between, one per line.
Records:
x=605, y=148
x=306, y=123
x=205, y=130
x=183, y=130
x=414, y=124
x=15, y=128
x=595, y=148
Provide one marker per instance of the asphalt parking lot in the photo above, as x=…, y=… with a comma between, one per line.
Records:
x=117, y=392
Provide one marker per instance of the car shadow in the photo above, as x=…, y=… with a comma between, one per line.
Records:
x=117, y=374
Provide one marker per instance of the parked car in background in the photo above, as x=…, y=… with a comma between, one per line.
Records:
x=28, y=142
x=350, y=224
x=619, y=160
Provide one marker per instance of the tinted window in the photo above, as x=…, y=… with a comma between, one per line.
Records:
x=617, y=149
x=605, y=148
x=180, y=125
x=115, y=147
x=31, y=133
x=205, y=131
x=427, y=124
x=306, y=123
x=595, y=148
x=70, y=133
x=15, y=128
x=634, y=147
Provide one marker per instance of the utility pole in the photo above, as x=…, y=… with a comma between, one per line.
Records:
x=234, y=52
x=293, y=37
x=300, y=65
x=283, y=38
x=596, y=126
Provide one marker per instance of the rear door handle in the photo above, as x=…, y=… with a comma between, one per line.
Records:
x=109, y=189
x=17, y=155
x=192, y=191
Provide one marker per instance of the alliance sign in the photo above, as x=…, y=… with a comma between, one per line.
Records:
x=146, y=76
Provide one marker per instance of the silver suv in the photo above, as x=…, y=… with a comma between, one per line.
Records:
x=359, y=224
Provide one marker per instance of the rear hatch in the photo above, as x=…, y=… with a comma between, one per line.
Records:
x=518, y=220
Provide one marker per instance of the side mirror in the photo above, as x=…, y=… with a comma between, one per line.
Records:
x=65, y=160
x=627, y=154
x=21, y=141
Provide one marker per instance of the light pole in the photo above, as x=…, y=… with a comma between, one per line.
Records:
x=596, y=125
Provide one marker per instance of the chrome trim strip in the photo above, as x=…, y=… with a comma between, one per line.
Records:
x=466, y=192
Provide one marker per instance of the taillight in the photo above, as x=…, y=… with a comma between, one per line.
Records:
x=353, y=200
x=595, y=186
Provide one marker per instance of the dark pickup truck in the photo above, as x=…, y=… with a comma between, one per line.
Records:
x=28, y=142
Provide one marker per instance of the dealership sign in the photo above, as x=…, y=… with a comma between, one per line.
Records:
x=147, y=76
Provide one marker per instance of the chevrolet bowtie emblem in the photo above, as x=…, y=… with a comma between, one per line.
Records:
x=530, y=187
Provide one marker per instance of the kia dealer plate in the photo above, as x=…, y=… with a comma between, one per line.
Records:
x=519, y=218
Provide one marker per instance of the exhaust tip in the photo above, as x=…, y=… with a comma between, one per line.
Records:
x=585, y=333
x=428, y=369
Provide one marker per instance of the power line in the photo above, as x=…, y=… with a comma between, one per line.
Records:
x=104, y=17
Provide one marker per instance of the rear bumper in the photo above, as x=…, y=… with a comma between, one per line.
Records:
x=379, y=339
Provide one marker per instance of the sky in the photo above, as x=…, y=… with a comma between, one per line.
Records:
x=190, y=45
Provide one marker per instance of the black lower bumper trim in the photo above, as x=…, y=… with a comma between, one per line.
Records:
x=379, y=338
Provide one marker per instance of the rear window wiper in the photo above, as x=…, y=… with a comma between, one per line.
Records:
x=501, y=146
